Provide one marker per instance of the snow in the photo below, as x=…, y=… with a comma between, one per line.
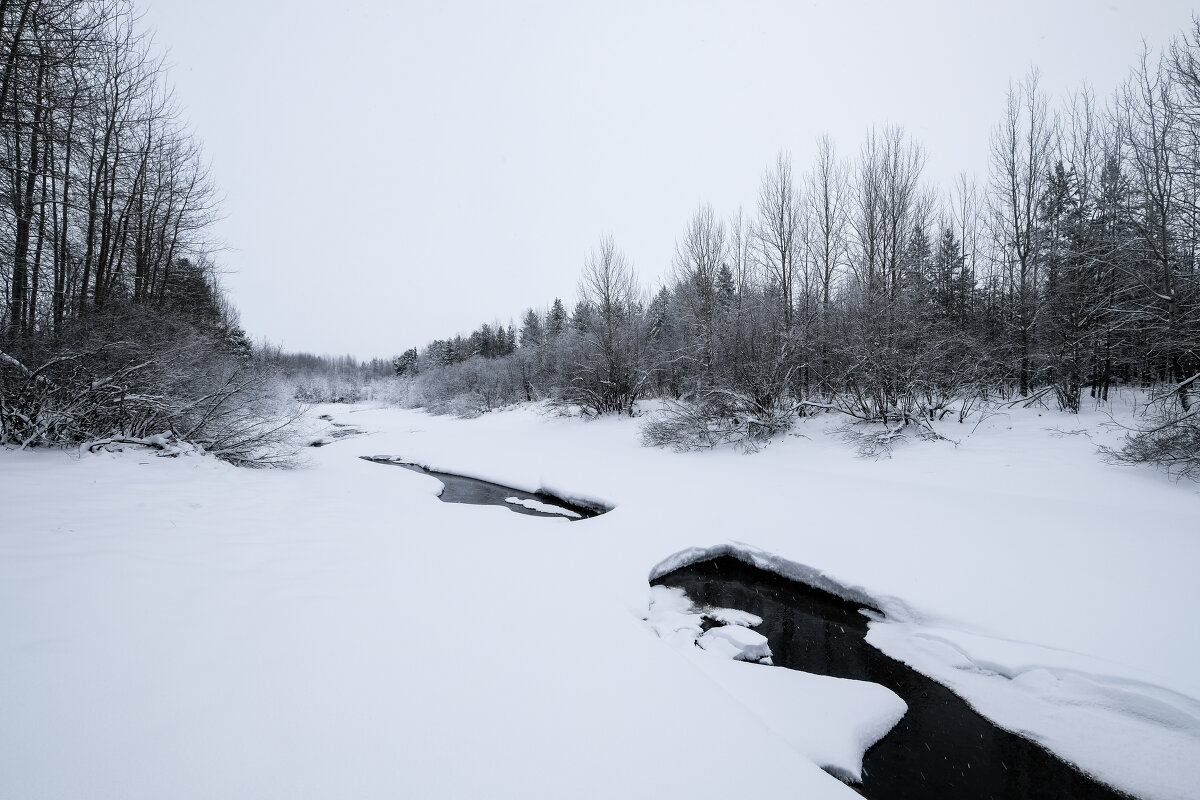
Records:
x=764, y=560
x=672, y=617
x=832, y=721
x=545, y=508
x=736, y=642
x=1081, y=708
x=174, y=627
x=731, y=616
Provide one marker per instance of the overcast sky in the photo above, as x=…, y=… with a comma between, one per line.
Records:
x=396, y=172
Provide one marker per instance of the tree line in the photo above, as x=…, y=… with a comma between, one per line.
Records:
x=312, y=378
x=855, y=286
x=113, y=323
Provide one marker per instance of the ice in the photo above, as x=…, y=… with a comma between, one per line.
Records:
x=545, y=508
x=731, y=616
x=735, y=641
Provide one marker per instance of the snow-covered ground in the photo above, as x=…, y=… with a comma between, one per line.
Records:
x=173, y=627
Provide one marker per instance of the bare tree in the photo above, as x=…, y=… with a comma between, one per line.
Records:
x=610, y=372
x=828, y=208
x=780, y=241
x=1021, y=148
x=888, y=204
x=699, y=259
x=1152, y=130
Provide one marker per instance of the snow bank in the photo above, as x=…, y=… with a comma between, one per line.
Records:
x=832, y=721
x=1042, y=693
x=1121, y=730
x=671, y=616
x=768, y=562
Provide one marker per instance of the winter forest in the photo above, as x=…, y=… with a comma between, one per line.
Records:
x=849, y=285
x=884, y=486
x=852, y=286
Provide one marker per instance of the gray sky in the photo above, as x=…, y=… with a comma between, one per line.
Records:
x=396, y=172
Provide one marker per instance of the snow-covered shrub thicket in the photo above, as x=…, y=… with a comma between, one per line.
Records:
x=858, y=289
x=715, y=418
x=467, y=388
x=1166, y=435
x=143, y=378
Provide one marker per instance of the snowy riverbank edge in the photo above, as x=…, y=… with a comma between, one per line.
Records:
x=1051, y=590
x=1094, y=658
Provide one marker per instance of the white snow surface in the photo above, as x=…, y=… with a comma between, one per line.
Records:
x=830, y=720
x=732, y=616
x=736, y=642
x=174, y=627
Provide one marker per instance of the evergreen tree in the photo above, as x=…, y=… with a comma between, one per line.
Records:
x=406, y=362
x=556, y=320
x=532, y=332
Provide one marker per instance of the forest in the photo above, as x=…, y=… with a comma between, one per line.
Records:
x=114, y=326
x=853, y=286
x=850, y=285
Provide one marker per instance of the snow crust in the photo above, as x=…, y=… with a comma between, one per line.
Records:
x=174, y=627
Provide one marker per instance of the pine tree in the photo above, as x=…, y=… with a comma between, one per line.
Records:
x=406, y=362
x=532, y=332
x=556, y=320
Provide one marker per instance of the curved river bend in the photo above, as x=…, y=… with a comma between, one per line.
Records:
x=941, y=749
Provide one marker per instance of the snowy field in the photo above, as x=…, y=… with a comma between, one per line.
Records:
x=177, y=628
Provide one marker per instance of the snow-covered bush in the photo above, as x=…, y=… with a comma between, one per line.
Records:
x=468, y=388
x=716, y=418
x=143, y=378
x=1167, y=434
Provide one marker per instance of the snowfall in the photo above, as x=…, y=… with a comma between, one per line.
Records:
x=179, y=628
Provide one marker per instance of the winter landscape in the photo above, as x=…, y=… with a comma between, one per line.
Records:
x=882, y=483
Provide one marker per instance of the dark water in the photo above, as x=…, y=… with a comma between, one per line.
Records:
x=342, y=432
x=460, y=489
x=941, y=748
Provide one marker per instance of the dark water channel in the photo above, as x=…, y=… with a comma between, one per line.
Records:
x=941, y=748
x=460, y=489
x=339, y=431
